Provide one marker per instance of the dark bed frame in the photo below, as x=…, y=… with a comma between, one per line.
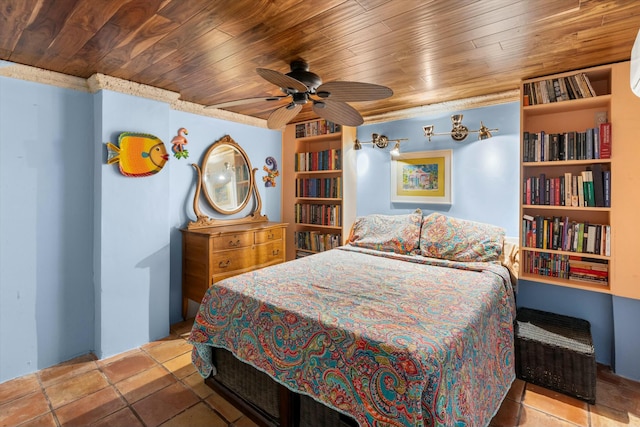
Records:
x=267, y=402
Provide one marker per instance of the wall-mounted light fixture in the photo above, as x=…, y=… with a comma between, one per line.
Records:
x=459, y=131
x=380, y=141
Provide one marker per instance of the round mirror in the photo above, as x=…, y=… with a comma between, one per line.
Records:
x=227, y=177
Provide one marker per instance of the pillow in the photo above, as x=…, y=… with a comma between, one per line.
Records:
x=459, y=239
x=389, y=233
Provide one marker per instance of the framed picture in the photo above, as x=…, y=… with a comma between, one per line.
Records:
x=421, y=177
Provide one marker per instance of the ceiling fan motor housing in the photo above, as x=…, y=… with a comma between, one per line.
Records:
x=300, y=71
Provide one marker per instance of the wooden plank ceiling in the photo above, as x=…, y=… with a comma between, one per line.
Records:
x=426, y=51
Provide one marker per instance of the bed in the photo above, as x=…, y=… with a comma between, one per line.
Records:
x=409, y=324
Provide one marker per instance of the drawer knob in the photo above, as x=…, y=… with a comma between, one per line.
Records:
x=232, y=243
x=224, y=264
x=275, y=252
x=271, y=236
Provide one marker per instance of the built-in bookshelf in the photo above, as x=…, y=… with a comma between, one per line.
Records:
x=566, y=175
x=318, y=186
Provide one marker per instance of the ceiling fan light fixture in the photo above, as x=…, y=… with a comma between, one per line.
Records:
x=300, y=98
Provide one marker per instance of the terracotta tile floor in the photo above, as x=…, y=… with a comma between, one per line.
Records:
x=156, y=385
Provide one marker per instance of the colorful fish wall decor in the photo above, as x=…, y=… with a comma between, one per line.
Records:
x=179, y=141
x=137, y=154
x=272, y=173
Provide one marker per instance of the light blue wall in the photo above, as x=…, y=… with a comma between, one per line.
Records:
x=132, y=289
x=90, y=260
x=627, y=345
x=46, y=228
x=485, y=173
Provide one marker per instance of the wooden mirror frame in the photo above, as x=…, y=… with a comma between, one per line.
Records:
x=204, y=221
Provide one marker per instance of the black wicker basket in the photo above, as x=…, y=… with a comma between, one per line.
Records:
x=261, y=390
x=556, y=352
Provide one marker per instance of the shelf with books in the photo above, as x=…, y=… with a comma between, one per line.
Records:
x=318, y=186
x=314, y=241
x=568, y=184
x=565, y=169
x=315, y=128
x=571, y=86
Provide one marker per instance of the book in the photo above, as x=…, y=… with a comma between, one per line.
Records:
x=571, y=145
x=598, y=185
x=556, y=234
x=574, y=191
x=581, y=191
x=580, y=237
x=596, y=142
x=589, y=144
x=606, y=184
x=541, y=200
x=605, y=140
x=591, y=239
x=567, y=188
x=527, y=230
x=587, y=180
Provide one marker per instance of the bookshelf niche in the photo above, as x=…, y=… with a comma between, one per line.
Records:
x=566, y=175
x=611, y=259
x=318, y=187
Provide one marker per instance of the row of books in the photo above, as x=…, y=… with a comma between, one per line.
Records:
x=593, y=143
x=563, y=234
x=319, y=127
x=590, y=188
x=306, y=213
x=576, y=86
x=319, y=187
x=562, y=266
x=316, y=242
x=318, y=160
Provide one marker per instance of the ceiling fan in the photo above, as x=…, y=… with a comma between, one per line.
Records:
x=301, y=86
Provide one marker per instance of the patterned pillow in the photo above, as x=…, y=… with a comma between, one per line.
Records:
x=389, y=233
x=460, y=240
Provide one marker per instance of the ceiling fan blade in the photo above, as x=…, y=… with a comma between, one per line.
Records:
x=247, y=101
x=338, y=112
x=288, y=84
x=283, y=115
x=352, y=91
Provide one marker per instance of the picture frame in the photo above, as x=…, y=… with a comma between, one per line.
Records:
x=422, y=177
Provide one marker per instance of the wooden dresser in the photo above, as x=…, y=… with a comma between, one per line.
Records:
x=215, y=253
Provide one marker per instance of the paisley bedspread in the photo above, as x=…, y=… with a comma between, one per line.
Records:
x=391, y=340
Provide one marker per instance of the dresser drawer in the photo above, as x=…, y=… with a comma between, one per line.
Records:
x=229, y=261
x=264, y=236
x=232, y=241
x=269, y=252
